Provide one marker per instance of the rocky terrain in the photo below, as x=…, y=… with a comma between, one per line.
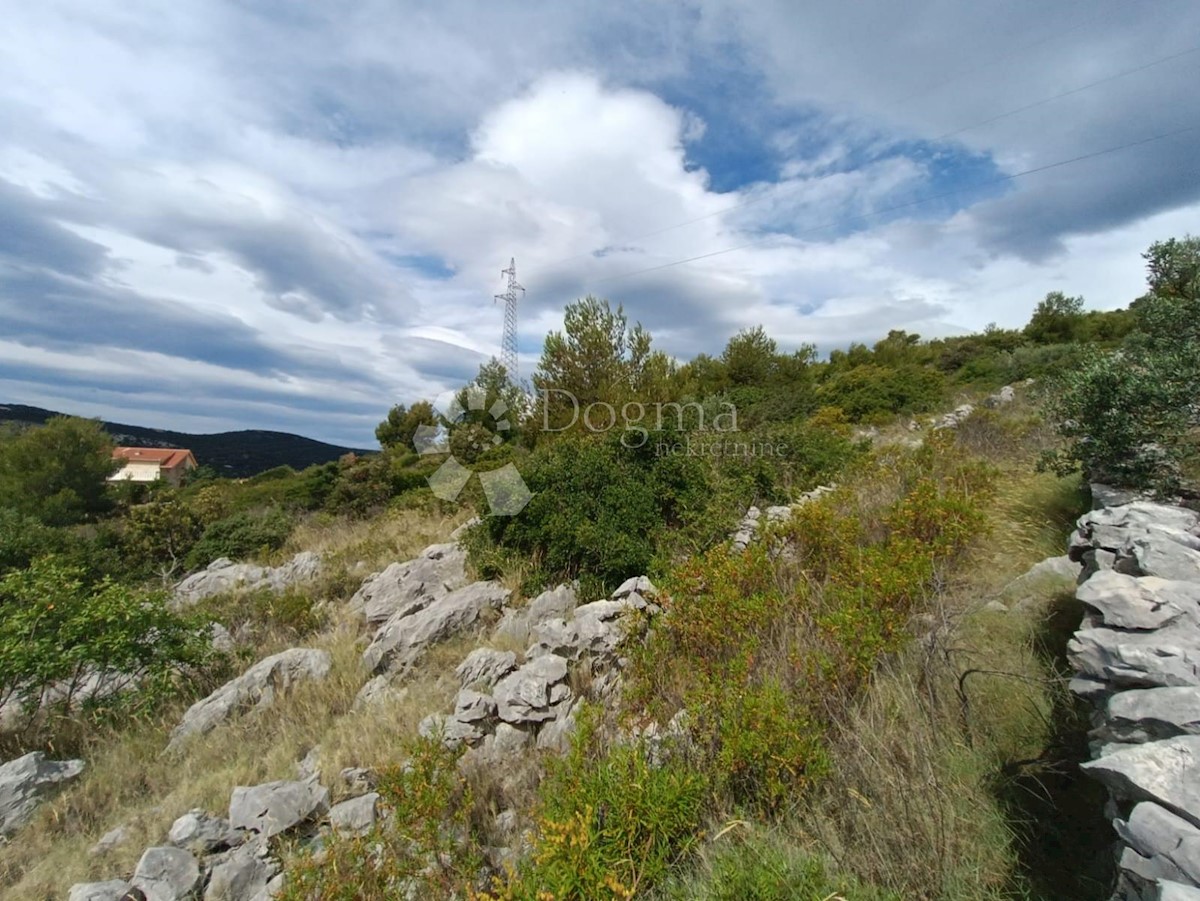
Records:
x=510, y=704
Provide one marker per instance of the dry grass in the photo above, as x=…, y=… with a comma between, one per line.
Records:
x=130, y=782
x=913, y=802
x=368, y=545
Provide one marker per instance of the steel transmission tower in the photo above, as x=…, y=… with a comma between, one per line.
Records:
x=508, y=345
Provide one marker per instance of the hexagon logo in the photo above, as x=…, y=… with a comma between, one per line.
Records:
x=505, y=490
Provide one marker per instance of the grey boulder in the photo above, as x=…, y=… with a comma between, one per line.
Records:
x=110, y=890
x=256, y=688
x=484, y=666
x=1151, y=714
x=407, y=587
x=527, y=695
x=26, y=782
x=223, y=576
x=202, y=833
x=1168, y=656
x=1128, y=602
x=355, y=816
x=167, y=874
x=242, y=874
x=1166, y=772
x=401, y=641
x=1164, y=845
x=273, y=808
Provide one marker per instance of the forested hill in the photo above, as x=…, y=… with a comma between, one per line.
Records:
x=232, y=454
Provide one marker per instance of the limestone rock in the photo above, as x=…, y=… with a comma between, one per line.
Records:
x=256, y=688
x=167, y=874
x=111, y=890
x=401, y=641
x=223, y=575
x=525, y=695
x=1152, y=714
x=1174, y=891
x=471, y=706
x=556, y=735
x=405, y=588
x=1169, y=845
x=1169, y=656
x=275, y=807
x=1166, y=772
x=1127, y=602
x=242, y=874
x=355, y=816
x=202, y=833
x=449, y=731
x=26, y=782
x=517, y=624
x=639, y=584
x=484, y=666
x=379, y=690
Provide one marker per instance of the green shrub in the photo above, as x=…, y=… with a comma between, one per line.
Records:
x=56, y=472
x=610, y=824
x=290, y=614
x=56, y=630
x=763, y=650
x=598, y=507
x=23, y=538
x=239, y=536
x=871, y=390
x=419, y=850
x=159, y=536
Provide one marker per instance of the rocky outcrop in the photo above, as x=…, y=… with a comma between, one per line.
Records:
x=223, y=575
x=509, y=705
x=405, y=588
x=954, y=418
x=224, y=859
x=407, y=634
x=255, y=689
x=26, y=782
x=1136, y=656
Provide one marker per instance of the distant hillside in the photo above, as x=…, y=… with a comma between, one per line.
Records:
x=234, y=454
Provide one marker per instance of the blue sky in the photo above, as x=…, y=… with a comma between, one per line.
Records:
x=221, y=215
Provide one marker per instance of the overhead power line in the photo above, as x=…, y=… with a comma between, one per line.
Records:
x=911, y=203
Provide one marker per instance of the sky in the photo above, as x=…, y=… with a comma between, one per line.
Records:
x=224, y=214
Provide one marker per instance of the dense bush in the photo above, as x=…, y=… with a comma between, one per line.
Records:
x=23, y=538
x=1129, y=416
x=871, y=390
x=57, y=632
x=598, y=507
x=159, y=536
x=240, y=536
x=610, y=824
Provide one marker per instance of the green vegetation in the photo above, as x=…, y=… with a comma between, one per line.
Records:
x=1132, y=416
x=56, y=473
x=814, y=743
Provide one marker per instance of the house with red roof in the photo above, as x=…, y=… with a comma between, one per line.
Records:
x=150, y=464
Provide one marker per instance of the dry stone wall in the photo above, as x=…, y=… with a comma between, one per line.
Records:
x=1136, y=657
